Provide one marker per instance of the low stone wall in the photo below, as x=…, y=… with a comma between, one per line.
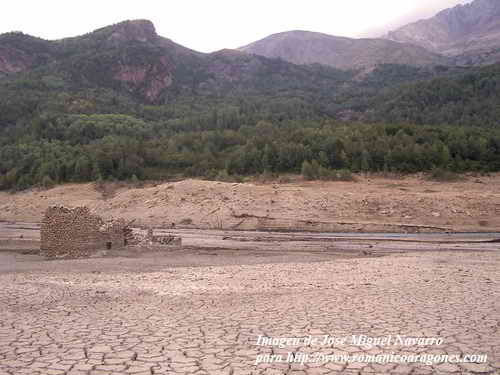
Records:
x=146, y=240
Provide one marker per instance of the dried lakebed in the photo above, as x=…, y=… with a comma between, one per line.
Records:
x=202, y=310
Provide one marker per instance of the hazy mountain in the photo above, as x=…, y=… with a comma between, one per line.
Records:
x=304, y=47
x=470, y=33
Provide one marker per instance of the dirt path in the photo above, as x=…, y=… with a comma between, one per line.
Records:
x=368, y=205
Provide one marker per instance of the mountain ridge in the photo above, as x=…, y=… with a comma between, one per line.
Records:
x=463, y=32
x=307, y=47
x=462, y=35
x=131, y=58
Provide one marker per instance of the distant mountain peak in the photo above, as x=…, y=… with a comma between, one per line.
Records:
x=294, y=35
x=307, y=47
x=466, y=29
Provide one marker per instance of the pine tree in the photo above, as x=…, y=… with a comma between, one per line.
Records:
x=307, y=170
x=365, y=161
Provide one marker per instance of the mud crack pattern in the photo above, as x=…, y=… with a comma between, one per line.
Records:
x=206, y=320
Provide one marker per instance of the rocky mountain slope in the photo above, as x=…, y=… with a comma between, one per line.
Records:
x=20, y=52
x=129, y=55
x=119, y=68
x=304, y=47
x=470, y=32
x=131, y=58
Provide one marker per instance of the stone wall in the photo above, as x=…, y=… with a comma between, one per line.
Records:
x=78, y=233
x=146, y=240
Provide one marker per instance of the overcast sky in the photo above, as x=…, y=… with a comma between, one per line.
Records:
x=212, y=25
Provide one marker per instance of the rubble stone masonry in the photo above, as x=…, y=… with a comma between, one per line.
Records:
x=76, y=233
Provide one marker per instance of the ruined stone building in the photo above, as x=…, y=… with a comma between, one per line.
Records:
x=77, y=233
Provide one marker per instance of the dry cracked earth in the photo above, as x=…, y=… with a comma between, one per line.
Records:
x=99, y=316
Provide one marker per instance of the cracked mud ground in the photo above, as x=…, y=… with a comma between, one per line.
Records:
x=97, y=316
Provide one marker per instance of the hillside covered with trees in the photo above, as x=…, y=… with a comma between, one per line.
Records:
x=123, y=103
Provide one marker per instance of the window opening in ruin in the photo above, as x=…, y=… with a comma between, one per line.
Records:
x=108, y=245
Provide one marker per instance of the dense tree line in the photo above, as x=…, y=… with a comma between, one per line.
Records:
x=103, y=147
x=468, y=98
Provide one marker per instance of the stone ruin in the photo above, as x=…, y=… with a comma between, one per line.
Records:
x=77, y=233
x=146, y=239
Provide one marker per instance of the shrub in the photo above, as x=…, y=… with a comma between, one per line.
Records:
x=47, y=182
x=443, y=175
x=265, y=177
x=310, y=170
x=344, y=175
x=284, y=179
x=224, y=176
x=336, y=175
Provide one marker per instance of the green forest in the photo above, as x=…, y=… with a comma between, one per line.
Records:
x=58, y=124
x=107, y=147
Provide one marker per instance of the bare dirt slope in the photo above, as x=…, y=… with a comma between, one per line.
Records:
x=370, y=204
